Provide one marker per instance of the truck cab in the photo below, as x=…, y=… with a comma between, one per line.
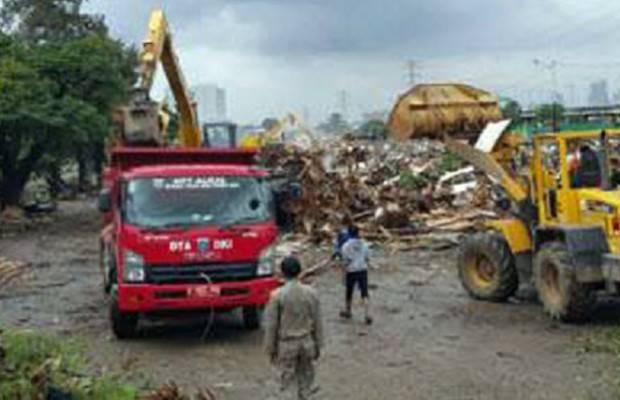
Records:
x=186, y=230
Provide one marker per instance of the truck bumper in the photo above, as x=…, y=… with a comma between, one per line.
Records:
x=222, y=295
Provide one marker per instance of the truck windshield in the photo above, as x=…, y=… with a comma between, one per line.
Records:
x=196, y=201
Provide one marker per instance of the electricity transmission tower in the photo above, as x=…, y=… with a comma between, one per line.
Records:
x=412, y=72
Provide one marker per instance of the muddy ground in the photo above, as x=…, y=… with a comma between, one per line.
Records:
x=429, y=340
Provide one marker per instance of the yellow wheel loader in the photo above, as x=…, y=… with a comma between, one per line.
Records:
x=561, y=229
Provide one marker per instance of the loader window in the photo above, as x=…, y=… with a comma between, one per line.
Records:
x=613, y=153
x=196, y=201
x=584, y=163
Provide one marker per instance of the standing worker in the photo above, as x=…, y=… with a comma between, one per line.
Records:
x=342, y=237
x=356, y=255
x=294, y=332
x=589, y=170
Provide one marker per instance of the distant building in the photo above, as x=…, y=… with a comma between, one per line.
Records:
x=211, y=103
x=599, y=95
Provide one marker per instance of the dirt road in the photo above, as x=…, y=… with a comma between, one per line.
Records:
x=429, y=340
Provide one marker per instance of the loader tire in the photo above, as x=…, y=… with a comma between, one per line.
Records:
x=124, y=325
x=561, y=295
x=487, y=268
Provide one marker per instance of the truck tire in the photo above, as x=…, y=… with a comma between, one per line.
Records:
x=487, y=268
x=251, y=317
x=124, y=325
x=561, y=295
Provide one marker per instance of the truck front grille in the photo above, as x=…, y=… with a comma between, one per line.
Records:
x=192, y=273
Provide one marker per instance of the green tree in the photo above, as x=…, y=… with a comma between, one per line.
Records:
x=512, y=109
x=48, y=20
x=269, y=123
x=61, y=81
x=551, y=114
x=29, y=118
x=94, y=74
x=375, y=129
x=335, y=124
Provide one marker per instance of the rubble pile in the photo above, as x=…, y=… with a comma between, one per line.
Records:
x=390, y=190
x=170, y=391
x=14, y=220
x=11, y=271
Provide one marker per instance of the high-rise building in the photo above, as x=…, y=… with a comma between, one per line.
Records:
x=211, y=103
x=599, y=95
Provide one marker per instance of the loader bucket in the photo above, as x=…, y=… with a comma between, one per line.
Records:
x=434, y=110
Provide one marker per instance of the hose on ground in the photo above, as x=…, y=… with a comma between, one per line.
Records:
x=211, y=318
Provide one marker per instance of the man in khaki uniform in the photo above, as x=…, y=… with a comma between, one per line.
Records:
x=294, y=332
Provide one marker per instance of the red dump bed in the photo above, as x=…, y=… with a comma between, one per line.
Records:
x=124, y=158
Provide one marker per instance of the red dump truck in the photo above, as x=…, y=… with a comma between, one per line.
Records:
x=188, y=229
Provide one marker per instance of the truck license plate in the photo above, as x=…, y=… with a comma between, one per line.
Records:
x=203, y=291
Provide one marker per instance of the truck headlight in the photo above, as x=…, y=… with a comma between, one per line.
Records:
x=267, y=262
x=134, y=267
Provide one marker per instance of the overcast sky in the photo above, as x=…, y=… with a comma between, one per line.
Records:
x=278, y=55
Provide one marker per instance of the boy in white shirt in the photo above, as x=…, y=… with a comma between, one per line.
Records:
x=355, y=254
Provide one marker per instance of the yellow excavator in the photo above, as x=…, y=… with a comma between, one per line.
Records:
x=144, y=121
x=561, y=228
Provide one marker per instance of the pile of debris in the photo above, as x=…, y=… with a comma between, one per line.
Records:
x=392, y=191
x=170, y=391
x=11, y=271
x=14, y=220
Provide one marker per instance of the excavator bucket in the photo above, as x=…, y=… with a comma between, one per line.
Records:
x=435, y=110
x=141, y=121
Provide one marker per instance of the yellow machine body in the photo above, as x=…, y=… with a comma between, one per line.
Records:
x=559, y=204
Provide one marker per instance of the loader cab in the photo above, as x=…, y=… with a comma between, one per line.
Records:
x=572, y=172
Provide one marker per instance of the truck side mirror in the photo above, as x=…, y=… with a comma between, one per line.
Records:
x=104, y=202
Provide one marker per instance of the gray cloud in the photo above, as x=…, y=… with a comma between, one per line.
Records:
x=274, y=54
x=283, y=27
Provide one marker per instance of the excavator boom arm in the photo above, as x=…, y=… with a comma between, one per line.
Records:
x=157, y=47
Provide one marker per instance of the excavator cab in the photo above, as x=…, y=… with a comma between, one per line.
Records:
x=219, y=135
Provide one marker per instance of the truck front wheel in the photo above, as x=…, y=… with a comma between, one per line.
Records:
x=251, y=317
x=124, y=325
